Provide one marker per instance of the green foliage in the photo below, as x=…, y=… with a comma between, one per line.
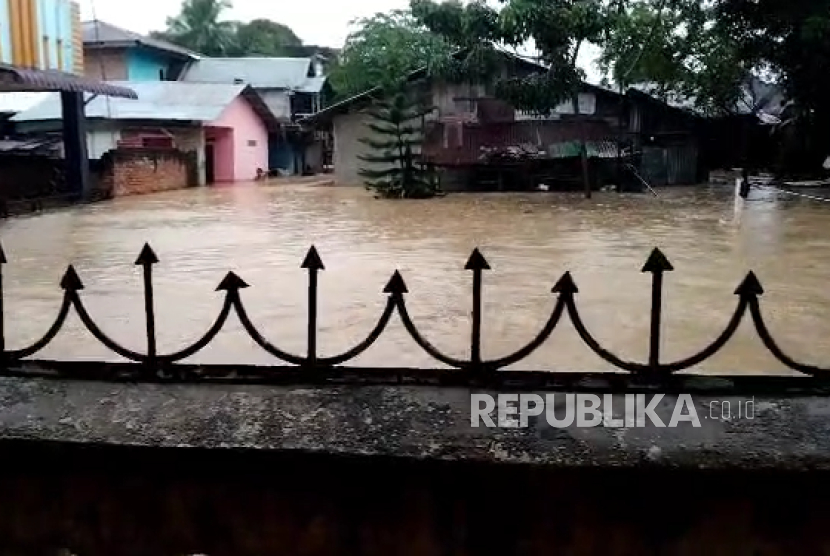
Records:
x=557, y=28
x=397, y=131
x=383, y=50
x=262, y=37
x=681, y=49
x=200, y=27
x=792, y=40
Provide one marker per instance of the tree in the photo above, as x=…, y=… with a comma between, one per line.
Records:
x=557, y=28
x=198, y=27
x=681, y=50
x=384, y=49
x=263, y=37
x=397, y=129
x=792, y=39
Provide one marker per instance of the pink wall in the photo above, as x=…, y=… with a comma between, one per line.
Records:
x=223, y=153
x=246, y=128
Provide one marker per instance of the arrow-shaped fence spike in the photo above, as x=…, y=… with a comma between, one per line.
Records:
x=477, y=264
x=146, y=259
x=750, y=287
x=312, y=260
x=396, y=287
x=565, y=285
x=314, y=264
x=656, y=264
x=231, y=283
x=477, y=261
x=147, y=256
x=70, y=281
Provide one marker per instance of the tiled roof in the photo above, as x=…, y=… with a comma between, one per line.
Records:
x=157, y=100
x=261, y=73
x=105, y=35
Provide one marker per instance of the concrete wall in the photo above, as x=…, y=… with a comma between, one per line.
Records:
x=145, y=65
x=250, y=139
x=347, y=130
x=193, y=139
x=347, y=469
x=106, y=65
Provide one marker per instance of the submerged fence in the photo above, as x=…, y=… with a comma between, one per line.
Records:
x=154, y=365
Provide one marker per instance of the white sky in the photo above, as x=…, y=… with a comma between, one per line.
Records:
x=321, y=22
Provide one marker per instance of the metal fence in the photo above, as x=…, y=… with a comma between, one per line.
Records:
x=152, y=365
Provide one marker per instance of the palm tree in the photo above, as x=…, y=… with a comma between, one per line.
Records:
x=198, y=27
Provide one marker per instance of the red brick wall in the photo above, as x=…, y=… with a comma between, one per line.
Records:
x=140, y=171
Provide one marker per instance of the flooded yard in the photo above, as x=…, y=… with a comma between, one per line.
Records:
x=263, y=233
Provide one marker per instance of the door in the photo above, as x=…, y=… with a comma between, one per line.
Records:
x=209, y=164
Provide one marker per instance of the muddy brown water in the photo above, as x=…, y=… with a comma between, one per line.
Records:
x=263, y=232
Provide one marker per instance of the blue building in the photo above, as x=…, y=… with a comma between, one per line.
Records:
x=41, y=34
x=115, y=54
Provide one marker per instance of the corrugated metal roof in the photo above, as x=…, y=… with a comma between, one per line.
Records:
x=17, y=79
x=105, y=35
x=263, y=73
x=157, y=100
x=29, y=144
x=15, y=102
x=312, y=85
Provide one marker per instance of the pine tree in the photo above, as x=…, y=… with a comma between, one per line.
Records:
x=397, y=130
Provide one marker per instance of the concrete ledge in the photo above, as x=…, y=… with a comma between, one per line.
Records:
x=425, y=422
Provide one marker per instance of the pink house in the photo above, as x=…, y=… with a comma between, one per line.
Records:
x=226, y=125
x=236, y=143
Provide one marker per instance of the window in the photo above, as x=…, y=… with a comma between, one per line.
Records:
x=251, y=143
x=60, y=54
x=47, y=59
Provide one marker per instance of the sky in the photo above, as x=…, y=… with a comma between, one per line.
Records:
x=319, y=22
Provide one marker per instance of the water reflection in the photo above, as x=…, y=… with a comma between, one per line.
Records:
x=530, y=239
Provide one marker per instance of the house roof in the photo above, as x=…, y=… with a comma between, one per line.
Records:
x=18, y=101
x=767, y=99
x=159, y=100
x=99, y=34
x=346, y=104
x=262, y=73
x=17, y=79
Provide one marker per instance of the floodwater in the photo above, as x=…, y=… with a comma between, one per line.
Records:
x=263, y=232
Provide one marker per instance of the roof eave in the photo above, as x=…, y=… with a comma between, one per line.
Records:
x=13, y=78
x=137, y=43
x=260, y=108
